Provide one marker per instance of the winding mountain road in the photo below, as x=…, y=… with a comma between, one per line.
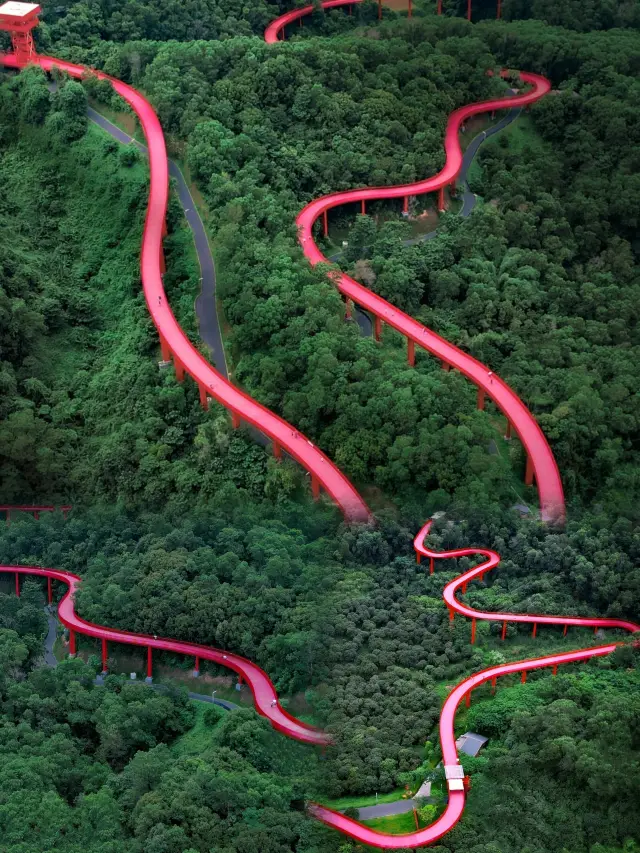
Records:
x=212, y=383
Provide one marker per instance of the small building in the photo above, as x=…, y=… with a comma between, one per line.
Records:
x=470, y=743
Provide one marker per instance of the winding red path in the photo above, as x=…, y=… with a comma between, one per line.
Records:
x=186, y=359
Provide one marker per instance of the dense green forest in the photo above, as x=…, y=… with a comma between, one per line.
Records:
x=120, y=768
x=183, y=527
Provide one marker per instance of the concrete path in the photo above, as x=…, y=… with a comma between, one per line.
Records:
x=49, y=657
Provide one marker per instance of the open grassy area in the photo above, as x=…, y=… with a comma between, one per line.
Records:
x=521, y=137
x=359, y=802
x=198, y=738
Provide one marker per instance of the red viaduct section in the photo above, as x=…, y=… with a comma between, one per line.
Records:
x=275, y=30
x=186, y=359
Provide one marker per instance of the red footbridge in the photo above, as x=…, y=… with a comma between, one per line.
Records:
x=19, y=19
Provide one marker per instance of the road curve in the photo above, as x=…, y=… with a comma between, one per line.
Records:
x=186, y=358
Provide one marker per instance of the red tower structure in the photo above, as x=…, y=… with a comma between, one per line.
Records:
x=18, y=19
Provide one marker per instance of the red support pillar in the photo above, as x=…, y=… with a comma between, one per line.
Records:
x=240, y=680
x=36, y=515
x=379, y=10
x=504, y=630
x=418, y=557
x=564, y=631
x=451, y=614
x=72, y=643
x=494, y=681
x=377, y=329
x=325, y=223
x=439, y=7
x=554, y=671
x=196, y=668
x=104, y=655
x=348, y=308
x=468, y=10
x=499, y=10
x=49, y=591
x=405, y=205
x=363, y=207
x=473, y=632
x=467, y=699
x=431, y=566
x=535, y=629
x=409, y=15
x=528, y=475
x=166, y=352
x=204, y=402
x=235, y=420
x=523, y=677
x=464, y=588
x=480, y=399
x=17, y=584
x=149, y=662
x=446, y=366
x=411, y=352
x=277, y=450
x=441, y=204
x=315, y=487
x=179, y=368
x=507, y=434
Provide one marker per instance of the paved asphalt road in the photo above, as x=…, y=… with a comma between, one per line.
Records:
x=386, y=809
x=205, y=304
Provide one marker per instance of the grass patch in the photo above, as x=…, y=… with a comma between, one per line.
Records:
x=359, y=802
x=198, y=739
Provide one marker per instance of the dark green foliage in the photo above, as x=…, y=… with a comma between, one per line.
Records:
x=82, y=22
x=87, y=768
